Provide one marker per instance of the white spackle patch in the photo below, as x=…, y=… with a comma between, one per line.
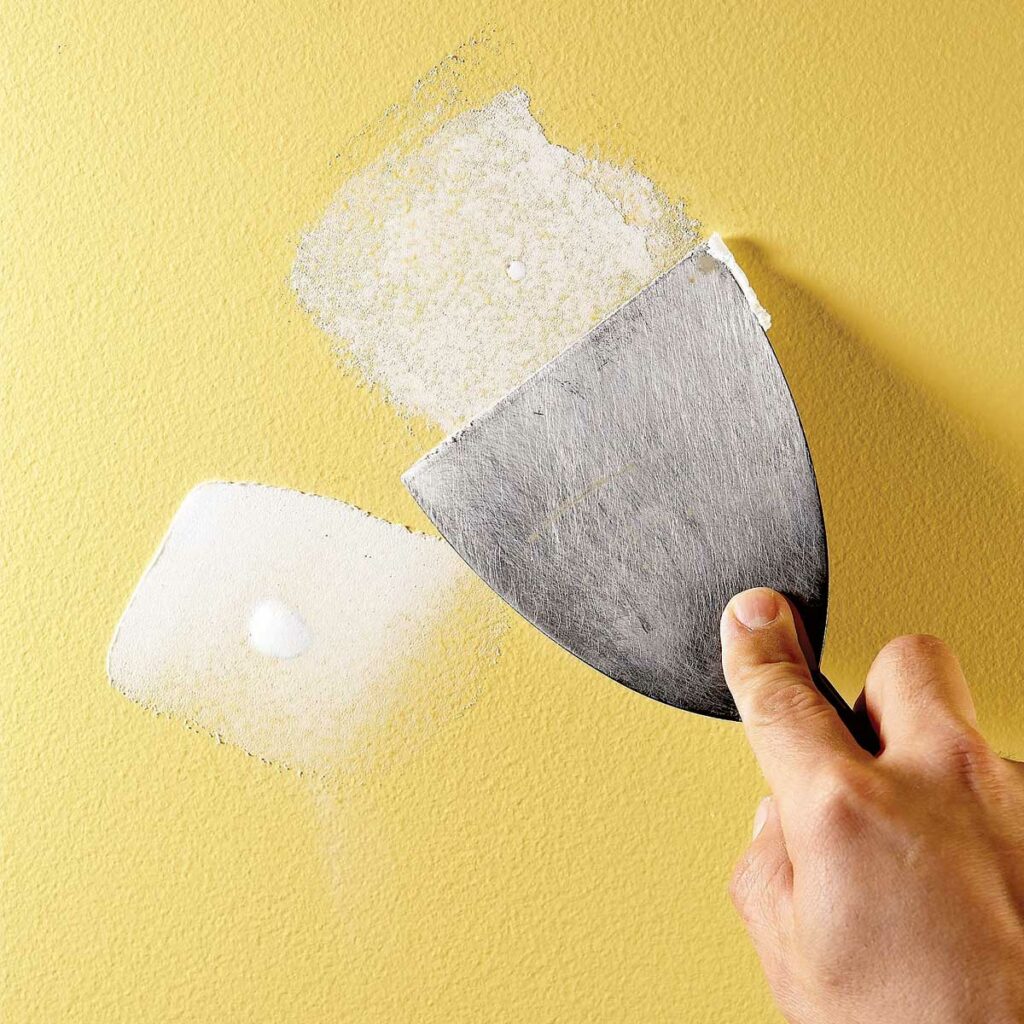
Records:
x=450, y=273
x=285, y=623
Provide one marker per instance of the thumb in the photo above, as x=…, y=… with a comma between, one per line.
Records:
x=792, y=728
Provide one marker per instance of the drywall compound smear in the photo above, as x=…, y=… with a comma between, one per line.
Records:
x=300, y=628
x=450, y=272
x=720, y=251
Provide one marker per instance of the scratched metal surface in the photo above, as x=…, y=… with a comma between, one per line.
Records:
x=627, y=490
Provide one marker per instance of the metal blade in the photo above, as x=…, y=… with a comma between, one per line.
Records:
x=629, y=488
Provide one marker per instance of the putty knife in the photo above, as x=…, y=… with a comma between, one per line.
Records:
x=622, y=494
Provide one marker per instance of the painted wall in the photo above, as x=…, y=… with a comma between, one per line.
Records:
x=559, y=852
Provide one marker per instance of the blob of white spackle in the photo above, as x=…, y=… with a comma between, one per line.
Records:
x=516, y=270
x=720, y=251
x=277, y=630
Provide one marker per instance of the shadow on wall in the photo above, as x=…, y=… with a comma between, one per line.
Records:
x=923, y=531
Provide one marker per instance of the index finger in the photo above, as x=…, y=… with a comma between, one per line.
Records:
x=792, y=728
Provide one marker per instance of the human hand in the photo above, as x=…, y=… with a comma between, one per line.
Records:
x=886, y=889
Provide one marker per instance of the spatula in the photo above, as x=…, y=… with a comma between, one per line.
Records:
x=623, y=493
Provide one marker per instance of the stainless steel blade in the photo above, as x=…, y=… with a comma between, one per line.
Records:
x=629, y=488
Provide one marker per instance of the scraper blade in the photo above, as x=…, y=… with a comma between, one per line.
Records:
x=621, y=495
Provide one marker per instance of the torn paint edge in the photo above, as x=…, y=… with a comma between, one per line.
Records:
x=720, y=251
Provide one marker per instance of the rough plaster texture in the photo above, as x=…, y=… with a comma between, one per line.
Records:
x=450, y=271
x=561, y=852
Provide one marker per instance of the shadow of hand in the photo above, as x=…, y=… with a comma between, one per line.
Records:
x=922, y=528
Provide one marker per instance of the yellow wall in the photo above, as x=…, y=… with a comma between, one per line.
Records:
x=560, y=853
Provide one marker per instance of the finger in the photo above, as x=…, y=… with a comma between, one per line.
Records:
x=762, y=883
x=792, y=729
x=915, y=688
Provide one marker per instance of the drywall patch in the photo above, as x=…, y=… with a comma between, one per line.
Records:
x=298, y=627
x=449, y=272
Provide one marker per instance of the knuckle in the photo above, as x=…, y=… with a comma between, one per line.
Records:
x=779, y=693
x=750, y=885
x=739, y=887
x=968, y=758
x=846, y=794
x=914, y=648
x=916, y=645
x=914, y=668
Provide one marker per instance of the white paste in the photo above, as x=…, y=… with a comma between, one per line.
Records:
x=720, y=251
x=358, y=606
x=402, y=271
x=277, y=630
x=516, y=270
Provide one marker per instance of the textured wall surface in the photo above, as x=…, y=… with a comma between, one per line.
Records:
x=561, y=851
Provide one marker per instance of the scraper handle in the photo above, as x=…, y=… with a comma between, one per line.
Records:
x=859, y=725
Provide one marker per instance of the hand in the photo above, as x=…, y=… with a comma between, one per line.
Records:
x=877, y=890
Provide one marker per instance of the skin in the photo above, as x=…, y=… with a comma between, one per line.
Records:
x=876, y=890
